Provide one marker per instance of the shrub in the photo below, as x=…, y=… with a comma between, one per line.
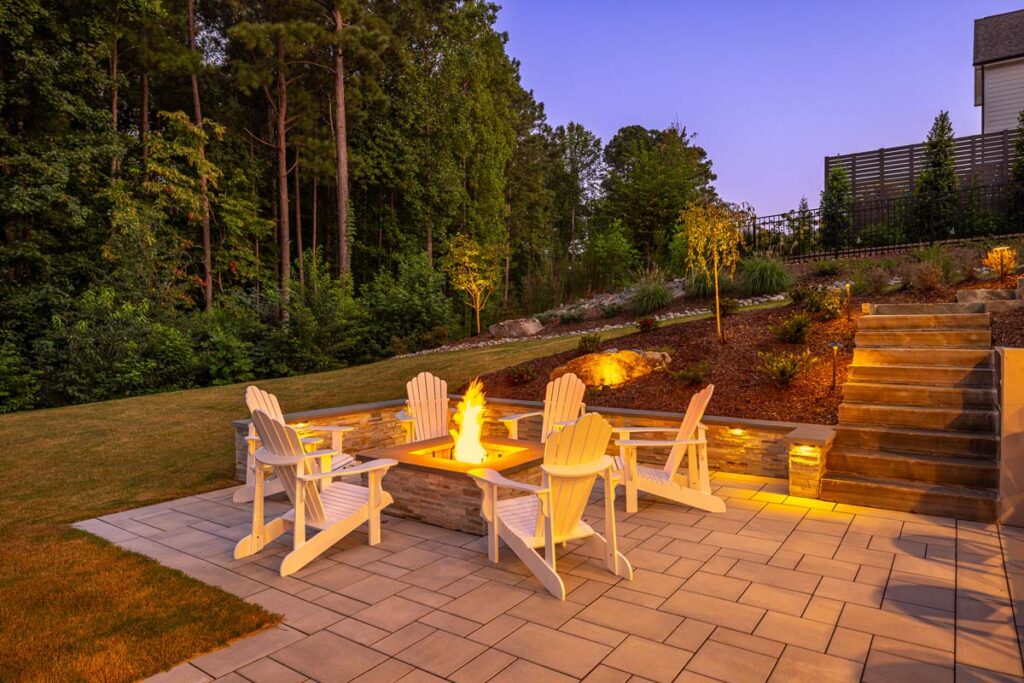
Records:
x=546, y=317
x=793, y=330
x=871, y=280
x=650, y=298
x=647, y=323
x=950, y=269
x=784, y=367
x=520, y=374
x=18, y=384
x=406, y=308
x=589, y=343
x=612, y=310
x=573, y=315
x=760, y=275
x=727, y=306
x=925, y=276
x=826, y=301
x=699, y=285
x=1002, y=261
x=693, y=373
x=826, y=268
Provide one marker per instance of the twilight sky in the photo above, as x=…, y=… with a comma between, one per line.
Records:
x=769, y=86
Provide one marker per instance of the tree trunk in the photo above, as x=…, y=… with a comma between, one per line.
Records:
x=298, y=219
x=203, y=189
x=114, y=161
x=430, y=241
x=144, y=107
x=507, y=268
x=341, y=145
x=718, y=309
x=282, y=180
x=313, y=245
x=572, y=233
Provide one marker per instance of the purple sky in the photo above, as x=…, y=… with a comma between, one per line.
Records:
x=770, y=88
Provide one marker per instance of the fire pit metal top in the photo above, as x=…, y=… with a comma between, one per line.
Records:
x=436, y=454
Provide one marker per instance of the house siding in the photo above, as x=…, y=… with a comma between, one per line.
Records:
x=1004, y=95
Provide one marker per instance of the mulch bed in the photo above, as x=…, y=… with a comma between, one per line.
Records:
x=1008, y=328
x=741, y=388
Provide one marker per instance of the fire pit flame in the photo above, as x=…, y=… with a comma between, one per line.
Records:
x=469, y=422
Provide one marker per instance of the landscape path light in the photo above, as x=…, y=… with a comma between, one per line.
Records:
x=835, y=355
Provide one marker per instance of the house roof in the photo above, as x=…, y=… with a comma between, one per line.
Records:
x=999, y=37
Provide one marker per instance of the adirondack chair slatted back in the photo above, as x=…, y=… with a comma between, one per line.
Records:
x=283, y=441
x=581, y=442
x=428, y=404
x=562, y=402
x=688, y=428
x=258, y=399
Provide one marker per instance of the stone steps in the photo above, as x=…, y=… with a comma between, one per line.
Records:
x=938, y=338
x=946, y=321
x=927, y=309
x=919, y=417
x=919, y=395
x=934, y=375
x=975, y=358
x=972, y=445
x=969, y=296
x=962, y=502
x=915, y=467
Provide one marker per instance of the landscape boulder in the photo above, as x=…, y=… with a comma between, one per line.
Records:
x=522, y=327
x=612, y=367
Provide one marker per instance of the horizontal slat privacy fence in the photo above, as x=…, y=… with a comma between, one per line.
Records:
x=891, y=171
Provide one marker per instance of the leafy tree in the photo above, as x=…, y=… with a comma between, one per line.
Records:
x=654, y=182
x=610, y=257
x=408, y=312
x=935, y=193
x=714, y=237
x=803, y=235
x=473, y=269
x=836, y=209
x=1017, y=172
x=580, y=151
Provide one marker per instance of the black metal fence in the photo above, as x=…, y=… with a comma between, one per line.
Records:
x=881, y=225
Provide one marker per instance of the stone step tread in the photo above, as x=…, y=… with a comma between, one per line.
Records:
x=932, y=339
x=967, y=445
x=949, y=420
x=943, y=357
x=861, y=392
x=928, y=309
x=918, y=467
x=924, y=409
x=987, y=493
x=926, y=376
x=967, y=321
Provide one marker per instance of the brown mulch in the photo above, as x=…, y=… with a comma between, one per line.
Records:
x=1008, y=328
x=741, y=388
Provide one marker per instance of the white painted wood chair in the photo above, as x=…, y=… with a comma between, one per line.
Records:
x=311, y=437
x=335, y=509
x=563, y=403
x=692, y=488
x=426, y=414
x=553, y=513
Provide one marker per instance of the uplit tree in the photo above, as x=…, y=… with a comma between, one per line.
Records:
x=836, y=202
x=473, y=269
x=714, y=236
x=936, y=203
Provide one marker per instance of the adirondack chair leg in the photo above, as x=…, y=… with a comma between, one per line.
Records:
x=310, y=550
x=373, y=507
x=614, y=559
x=628, y=456
x=544, y=572
x=705, y=477
x=513, y=429
x=692, y=473
x=261, y=533
x=407, y=426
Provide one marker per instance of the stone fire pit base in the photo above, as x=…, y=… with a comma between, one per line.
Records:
x=430, y=487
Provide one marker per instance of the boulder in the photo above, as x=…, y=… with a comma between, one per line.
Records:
x=522, y=327
x=612, y=367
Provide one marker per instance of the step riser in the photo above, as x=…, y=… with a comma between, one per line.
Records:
x=959, y=445
x=925, y=396
x=927, y=309
x=942, y=505
x=923, y=322
x=934, y=376
x=974, y=358
x=917, y=418
x=974, y=476
x=1002, y=306
x=978, y=339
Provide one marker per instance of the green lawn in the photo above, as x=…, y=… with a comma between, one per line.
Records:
x=74, y=607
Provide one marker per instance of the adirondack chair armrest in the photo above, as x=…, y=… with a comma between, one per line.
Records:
x=657, y=442
x=520, y=416
x=361, y=468
x=492, y=477
x=403, y=416
x=332, y=428
x=642, y=430
x=252, y=439
x=562, y=424
x=311, y=439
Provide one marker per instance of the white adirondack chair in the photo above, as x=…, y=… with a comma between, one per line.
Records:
x=335, y=510
x=311, y=436
x=427, y=414
x=563, y=403
x=692, y=488
x=553, y=514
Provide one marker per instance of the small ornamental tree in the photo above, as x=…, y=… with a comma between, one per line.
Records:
x=714, y=237
x=475, y=270
x=836, y=202
x=936, y=188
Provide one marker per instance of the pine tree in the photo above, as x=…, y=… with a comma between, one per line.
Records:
x=935, y=193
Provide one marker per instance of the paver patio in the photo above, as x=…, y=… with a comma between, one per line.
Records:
x=777, y=588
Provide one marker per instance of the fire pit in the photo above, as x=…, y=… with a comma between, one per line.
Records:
x=431, y=485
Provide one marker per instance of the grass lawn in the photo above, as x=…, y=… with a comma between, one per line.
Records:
x=74, y=607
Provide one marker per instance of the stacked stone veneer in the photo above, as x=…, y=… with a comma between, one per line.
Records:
x=757, y=447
